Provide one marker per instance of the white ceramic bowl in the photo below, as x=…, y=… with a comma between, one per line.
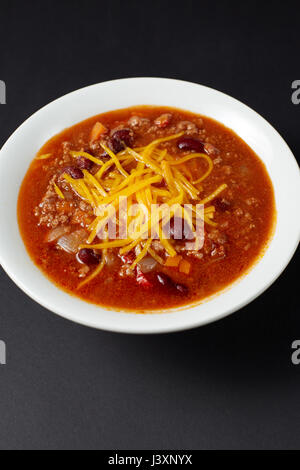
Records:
x=22, y=146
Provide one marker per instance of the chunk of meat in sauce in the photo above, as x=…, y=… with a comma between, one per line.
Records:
x=97, y=149
x=163, y=121
x=165, y=281
x=188, y=127
x=138, y=123
x=211, y=150
x=222, y=204
x=217, y=236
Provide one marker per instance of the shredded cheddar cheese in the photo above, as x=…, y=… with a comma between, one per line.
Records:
x=44, y=157
x=146, y=176
x=59, y=192
x=86, y=155
x=94, y=274
x=214, y=194
x=142, y=254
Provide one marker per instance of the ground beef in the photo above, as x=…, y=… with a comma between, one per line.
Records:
x=196, y=254
x=211, y=150
x=97, y=150
x=126, y=271
x=53, y=211
x=252, y=201
x=218, y=251
x=66, y=157
x=217, y=161
x=163, y=121
x=217, y=236
x=83, y=271
x=139, y=124
x=188, y=127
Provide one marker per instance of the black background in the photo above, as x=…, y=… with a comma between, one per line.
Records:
x=229, y=385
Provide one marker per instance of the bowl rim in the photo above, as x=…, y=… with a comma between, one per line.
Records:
x=146, y=327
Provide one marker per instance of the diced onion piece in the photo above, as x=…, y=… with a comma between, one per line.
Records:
x=57, y=232
x=71, y=242
x=155, y=256
x=147, y=264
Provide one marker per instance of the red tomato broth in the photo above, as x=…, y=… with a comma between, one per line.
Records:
x=250, y=215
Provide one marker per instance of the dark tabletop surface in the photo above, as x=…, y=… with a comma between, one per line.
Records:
x=229, y=385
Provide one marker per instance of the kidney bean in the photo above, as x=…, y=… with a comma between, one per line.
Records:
x=88, y=256
x=84, y=163
x=180, y=230
x=167, y=282
x=121, y=137
x=190, y=144
x=182, y=289
x=74, y=172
